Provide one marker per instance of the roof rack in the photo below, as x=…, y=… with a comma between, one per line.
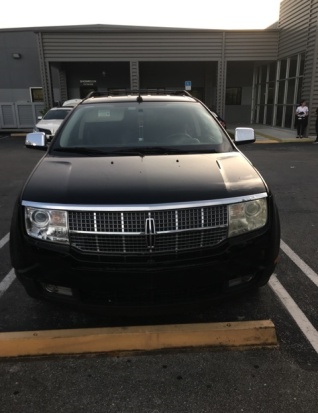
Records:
x=138, y=92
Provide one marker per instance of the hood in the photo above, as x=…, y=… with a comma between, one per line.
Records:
x=52, y=124
x=132, y=180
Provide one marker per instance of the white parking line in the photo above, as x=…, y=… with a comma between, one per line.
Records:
x=4, y=240
x=299, y=262
x=301, y=320
x=10, y=277
x=6, y=282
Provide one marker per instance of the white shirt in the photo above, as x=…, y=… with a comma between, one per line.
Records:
x=302, y=111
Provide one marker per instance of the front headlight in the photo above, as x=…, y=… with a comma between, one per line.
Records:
x=247, y=216
x=47, y=224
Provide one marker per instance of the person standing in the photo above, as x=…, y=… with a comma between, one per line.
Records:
x=301, y=118
x=316, y=141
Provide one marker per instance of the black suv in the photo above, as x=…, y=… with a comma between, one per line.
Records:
x=143, y=200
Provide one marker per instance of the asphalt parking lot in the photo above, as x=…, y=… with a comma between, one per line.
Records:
x=267, y=379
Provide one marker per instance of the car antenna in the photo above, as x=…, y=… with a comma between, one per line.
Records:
x=139, y=98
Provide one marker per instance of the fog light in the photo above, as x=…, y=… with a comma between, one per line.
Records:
x=58, y=289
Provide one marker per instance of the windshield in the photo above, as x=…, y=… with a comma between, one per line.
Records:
x=56, y=114
x=145, y=126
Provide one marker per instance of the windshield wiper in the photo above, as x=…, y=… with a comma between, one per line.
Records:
x=149, y=150
x=81, y=149
x=127, y=151
x=137, y=151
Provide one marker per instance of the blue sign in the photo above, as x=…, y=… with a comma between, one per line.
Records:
x=187, y=84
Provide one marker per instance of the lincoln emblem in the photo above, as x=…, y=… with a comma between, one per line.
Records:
x=150, y=230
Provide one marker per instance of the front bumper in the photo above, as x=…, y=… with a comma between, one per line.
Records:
x=94, y=281
x=139, y=282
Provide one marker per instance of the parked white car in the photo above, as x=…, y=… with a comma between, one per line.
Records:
x=51, y=121
x=72, y=102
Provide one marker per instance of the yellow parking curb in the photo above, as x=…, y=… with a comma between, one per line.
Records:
x=143, y=338
x=267, y=141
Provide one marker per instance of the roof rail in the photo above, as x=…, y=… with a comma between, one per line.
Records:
x=138, y=92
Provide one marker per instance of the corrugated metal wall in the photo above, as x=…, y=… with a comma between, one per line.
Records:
x=310, y=83
x=141, y=45
x=130, y=45
x=63, y=85
x=251, y=45
x=45, y=74
x=134, y=75
x=293, y=25
x=168, y=45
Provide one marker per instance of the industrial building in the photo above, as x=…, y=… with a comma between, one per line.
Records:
x=247, y=76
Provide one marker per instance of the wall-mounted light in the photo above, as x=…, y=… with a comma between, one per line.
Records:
x=16, y=55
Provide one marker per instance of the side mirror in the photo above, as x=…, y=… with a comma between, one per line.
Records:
x=40, y=117
x=36, y=140
x=244, y=135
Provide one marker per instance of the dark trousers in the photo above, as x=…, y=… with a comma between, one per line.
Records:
x=301, y=124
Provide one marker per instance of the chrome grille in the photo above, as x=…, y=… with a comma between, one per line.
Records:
x=109, y=232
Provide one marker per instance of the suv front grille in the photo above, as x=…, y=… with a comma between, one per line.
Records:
x=143, y=232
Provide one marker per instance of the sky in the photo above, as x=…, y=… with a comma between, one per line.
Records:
x=208, y=14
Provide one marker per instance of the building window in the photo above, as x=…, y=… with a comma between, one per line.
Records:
x=36, y=94
x=279, y=90
x=233, y=96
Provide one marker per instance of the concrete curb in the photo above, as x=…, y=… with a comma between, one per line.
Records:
x=283, y=140
x=143, y=338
